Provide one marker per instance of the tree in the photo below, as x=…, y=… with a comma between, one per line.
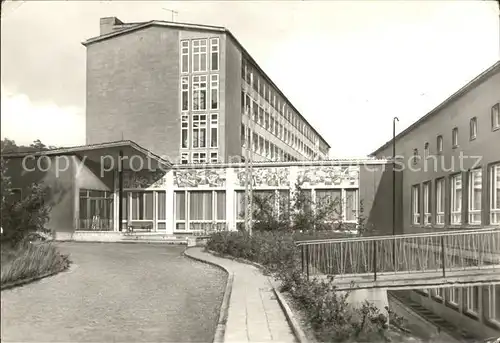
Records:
x=25, y=213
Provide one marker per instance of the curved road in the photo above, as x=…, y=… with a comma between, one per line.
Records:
x=118, y=293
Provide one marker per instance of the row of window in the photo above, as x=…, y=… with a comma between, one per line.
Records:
x=193, y=208
x=263, y=147
x=250, y=75
x=199, y=157
x=344, y=201
x=203, y=133
x=471, y=300
x=199, y=55
x=266, y=119
x=432, y=210
x=199, y=93
x=473, y=131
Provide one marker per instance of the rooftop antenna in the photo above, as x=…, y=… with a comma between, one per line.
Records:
x=171, y=11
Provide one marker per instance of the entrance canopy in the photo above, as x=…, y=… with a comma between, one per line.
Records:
x=132, y=155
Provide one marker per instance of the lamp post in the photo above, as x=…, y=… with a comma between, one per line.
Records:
x=394, y=189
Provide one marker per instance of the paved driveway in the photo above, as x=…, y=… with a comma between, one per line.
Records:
x=118, y=293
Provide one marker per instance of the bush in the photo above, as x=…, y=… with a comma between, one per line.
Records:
x=327, y=310
x=30, y=260
x=25, y=216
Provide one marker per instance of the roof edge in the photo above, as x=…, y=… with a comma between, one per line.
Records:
x=490, y=71
x=89, y=147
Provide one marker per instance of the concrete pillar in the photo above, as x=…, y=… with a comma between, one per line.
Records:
x=169, y=202
x=292, y=177
x=376, y=296
x=230, y=204
x=115, y=201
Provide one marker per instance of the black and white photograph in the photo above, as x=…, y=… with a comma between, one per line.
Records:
x=250, y=171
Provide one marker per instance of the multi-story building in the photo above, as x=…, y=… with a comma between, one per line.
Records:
x=190, y=93
x=449, y=161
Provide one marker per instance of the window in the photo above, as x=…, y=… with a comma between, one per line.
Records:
x=440, y=193
x=351, y=205
x=214, y=92
x=180, y=210
x=415, y=191
x=426, y=150
x=495, y=117
x=495, y=195
x=261, y=116
x=439, y=144
x=199, y=131
x=199, y=55
x=475, y=194
x=271, y=148
x=142, y=206
x=472, y=299
x=242, y=135
x=96, y=209
x=266, y=148
x=456, y=199
x=454, y=137
x=214, y=158
x=214, y=54
x=185, y=93
x=415, y=156
x=330, y=198
x=493, y=303
x=248, y=104
x=214, y=130
x=427, y=203
x=454, y=295
x=437, y=293
x=199, y=157
x=184, y=56
x=473, y=128
x=184, y=131
x=261, y=146
x=161, y=206
x=255, y=142
x=199, y=93
x=184, y=158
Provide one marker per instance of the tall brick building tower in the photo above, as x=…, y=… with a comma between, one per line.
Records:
x=190, y=93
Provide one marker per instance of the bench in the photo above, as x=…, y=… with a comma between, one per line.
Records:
x=136, y=226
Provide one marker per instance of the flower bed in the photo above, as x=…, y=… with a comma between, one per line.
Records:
x=30, y=262
x=327, y=312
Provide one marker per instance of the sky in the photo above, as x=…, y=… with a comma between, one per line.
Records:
x=349, y=67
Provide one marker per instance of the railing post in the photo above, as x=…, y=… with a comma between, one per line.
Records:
x=443, y=256
x=374, y=260
x=307, y=261
x=394, y=253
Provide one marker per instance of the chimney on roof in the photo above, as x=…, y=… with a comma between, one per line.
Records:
x=107, y=24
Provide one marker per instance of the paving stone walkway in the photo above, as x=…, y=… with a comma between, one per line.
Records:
x=254, y=312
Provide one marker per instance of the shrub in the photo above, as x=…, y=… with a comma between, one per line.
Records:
x=30, y=260
x=327, y=310
x=22, y=217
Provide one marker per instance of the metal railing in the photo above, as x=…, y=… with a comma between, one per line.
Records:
x=412, y=253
